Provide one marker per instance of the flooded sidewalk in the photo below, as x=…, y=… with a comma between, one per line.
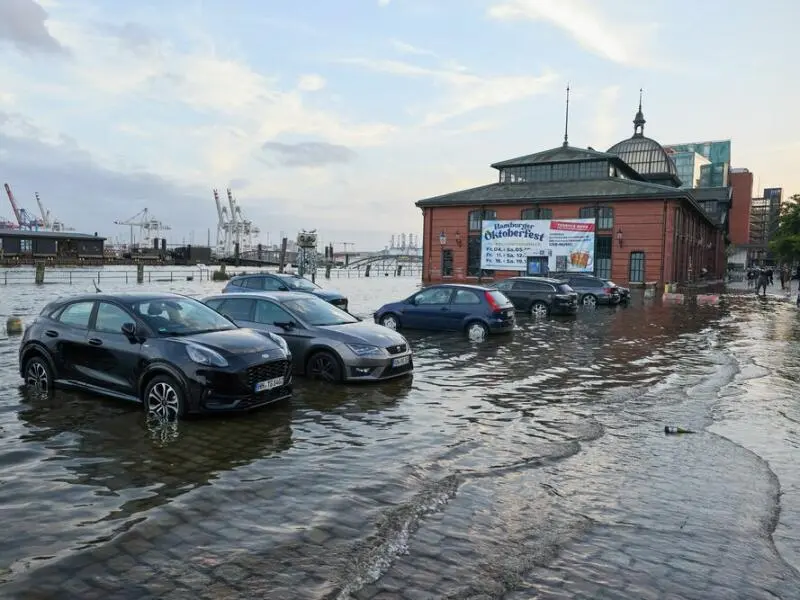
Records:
x=528, y=466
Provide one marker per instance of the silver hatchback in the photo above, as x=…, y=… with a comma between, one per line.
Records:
x=326, y=342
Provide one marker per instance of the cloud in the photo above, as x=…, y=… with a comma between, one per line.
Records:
x=405, y=48
x=605, y=127
x=383, y=2
x=605, y=36
x=309, y=154
x=311, y=83
x=467, y=91
x=132, y=36
x=24, y=24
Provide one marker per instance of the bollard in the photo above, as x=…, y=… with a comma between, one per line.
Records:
x=140, y=273
x=366, y=271
x=39, y=273
x=327, y=271
x=14, y=325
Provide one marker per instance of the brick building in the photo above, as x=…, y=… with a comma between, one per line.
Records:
x=647, y=229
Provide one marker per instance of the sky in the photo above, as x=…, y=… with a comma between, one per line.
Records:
x=338, y=116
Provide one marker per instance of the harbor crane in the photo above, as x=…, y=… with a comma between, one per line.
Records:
x=50, y=223
x=25, y=219
x=149, y=227
x=233, y=228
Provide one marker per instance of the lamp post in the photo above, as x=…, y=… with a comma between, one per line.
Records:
x=442, y=238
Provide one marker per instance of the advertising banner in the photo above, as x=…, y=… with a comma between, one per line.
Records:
x=568, y=244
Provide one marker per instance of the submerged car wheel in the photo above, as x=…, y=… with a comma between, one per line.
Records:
x=390, y=322
x=477, y=331
x=589, y=300
x=163, y=399
x=38, y=375
x=325, y=366
x=539, y=309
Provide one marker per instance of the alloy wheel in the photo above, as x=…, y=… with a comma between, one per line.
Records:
x=476, y=332
x=36, y=376
x=589, y=300
x=389, y=322
x=539, y=310
x=163, y=402
x=323, y=366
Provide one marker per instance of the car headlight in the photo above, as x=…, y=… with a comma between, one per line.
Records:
x=205, y=356
x=365, y=350
x=279, y=340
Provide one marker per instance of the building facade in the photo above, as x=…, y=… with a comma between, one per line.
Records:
x=23, y=244
x=689, y=166
x=647, y=229
x=714, y=172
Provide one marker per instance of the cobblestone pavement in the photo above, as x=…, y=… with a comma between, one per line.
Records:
x=553, y=482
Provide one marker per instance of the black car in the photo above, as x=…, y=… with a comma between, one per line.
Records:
x=283, y=282
x=591, y=290
x=172, y=353
x=540, y=296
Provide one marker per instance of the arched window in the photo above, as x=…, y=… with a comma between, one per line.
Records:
x=474, y=223
x=534, y=214
x=636, y=267
x=605, y=216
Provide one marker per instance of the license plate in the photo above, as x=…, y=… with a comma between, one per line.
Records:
x=269, y=384
x=399, y=362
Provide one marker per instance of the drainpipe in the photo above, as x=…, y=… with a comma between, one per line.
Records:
x=427, y=214
x=663, y=244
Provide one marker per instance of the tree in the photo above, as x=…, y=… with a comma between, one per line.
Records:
x=785, y=244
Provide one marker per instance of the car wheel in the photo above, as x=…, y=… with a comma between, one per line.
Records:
x=164, y=399
x=477, y=331
x=38, y=374
x=390, y=321
x=539, y=310
x=589, y=300
x=325, y=366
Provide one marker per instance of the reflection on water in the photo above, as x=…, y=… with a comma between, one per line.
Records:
x=523, y=466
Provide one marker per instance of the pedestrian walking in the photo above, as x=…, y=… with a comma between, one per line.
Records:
x=762, y=282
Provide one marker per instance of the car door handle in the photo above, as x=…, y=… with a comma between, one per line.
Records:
x=95, y=342
x=51, y=333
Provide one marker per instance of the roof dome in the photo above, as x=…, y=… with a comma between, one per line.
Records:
x=645, y=155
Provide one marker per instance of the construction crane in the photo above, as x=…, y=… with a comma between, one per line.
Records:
x=51, y=224
x=25, y=219
x=149, y=227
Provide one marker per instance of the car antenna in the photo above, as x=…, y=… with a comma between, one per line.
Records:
x=96, y=289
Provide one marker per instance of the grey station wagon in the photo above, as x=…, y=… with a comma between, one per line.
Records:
x=326, y=342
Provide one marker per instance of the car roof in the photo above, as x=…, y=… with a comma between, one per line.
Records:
x=461, y=286
x=124, y=297
x=281, y=275
x=534, y=278
x=277, y=296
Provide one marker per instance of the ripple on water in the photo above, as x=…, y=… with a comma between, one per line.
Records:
x=494, y=460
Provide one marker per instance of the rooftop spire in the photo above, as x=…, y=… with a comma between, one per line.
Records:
x=566, y=121
x=638, y=121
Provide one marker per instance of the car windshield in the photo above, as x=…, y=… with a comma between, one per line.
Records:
x=180, y=316
x=298, y=283
x=564, y=288
x=318, y=313
x=610, y=283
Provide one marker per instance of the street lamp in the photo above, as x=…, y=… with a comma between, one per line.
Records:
x=442, y=238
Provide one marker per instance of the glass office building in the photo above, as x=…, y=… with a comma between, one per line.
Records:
x=688, y=165
x=713, y=164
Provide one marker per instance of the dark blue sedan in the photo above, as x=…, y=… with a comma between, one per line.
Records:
x=283, y=282
x=475, y=310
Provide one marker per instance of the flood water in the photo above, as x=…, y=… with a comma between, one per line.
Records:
x=528, y=466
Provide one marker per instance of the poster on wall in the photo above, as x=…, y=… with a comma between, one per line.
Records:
x=568, y=244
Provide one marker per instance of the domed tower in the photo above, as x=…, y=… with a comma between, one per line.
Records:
x=646, y=156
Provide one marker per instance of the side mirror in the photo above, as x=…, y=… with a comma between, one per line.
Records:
x=286, y=325
x=129, y=329
x=412, y=300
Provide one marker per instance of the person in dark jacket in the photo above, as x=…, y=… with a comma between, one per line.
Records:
x=762, y=281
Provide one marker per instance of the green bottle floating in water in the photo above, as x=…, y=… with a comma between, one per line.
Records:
x=671, y=429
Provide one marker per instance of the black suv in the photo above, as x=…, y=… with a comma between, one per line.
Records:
x=591, y=290
x=540, y=296
x=172, y=353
